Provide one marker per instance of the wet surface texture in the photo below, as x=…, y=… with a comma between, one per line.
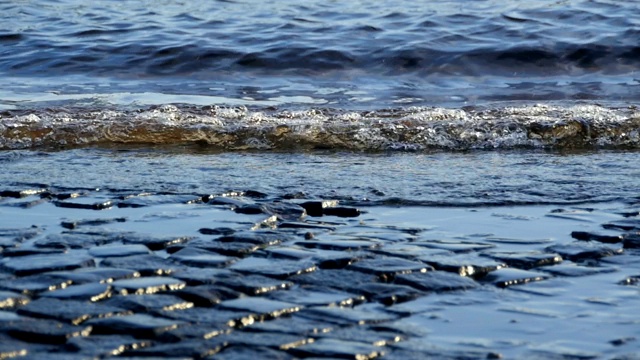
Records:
x=391, y=282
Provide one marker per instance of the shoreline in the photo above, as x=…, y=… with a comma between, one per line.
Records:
x=232, y=291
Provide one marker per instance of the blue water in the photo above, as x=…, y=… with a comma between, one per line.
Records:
x=358, y=55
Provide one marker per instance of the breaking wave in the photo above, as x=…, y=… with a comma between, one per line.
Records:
x=404, y=129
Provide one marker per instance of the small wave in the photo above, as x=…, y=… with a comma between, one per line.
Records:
x=403, y=129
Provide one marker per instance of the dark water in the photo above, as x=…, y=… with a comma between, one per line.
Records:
x=341, y=54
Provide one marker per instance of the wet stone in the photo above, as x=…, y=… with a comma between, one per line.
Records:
x=261, y=308
x=44, y=331
x=190, y=331
x=21, y=192
x=73, y=241
x=517, y=241
x=95, y=275
x=200, y=276
x=626, y=225
x=286, y=211
x=409, y=251
x=295, y=325
x=26, y=251
x=344, y=316
x=144, y=264
x=192, y=349
x=69, y=311
x=454, y=245
x=232, y=201
x=388, y=267
x=338, y=349
x=509, y=276
x=30, y=285
x=340, y=245
x=277, y=268
x=191, y=256
x=216, y=231
x=341, y=211
x=462, y=264
x=316, y=208
x=260, y=238
x=147, y=199
x=250, y=209
x=631, y=280
x=289, y=252
x=525, y=260
x=10, y=349
x=437, y=281
x=255, y=284
x=10, y=237
x=155, y=243
x=147, y=285
x=207, y=295
x=118, y=250
x=33, y=264
x=388, y=294
x=89, y=292
x=10, y=299
x=573, y=270
x=345, y=280
x=90, y=222
x=235, y=249
x=592, y=236
x=631, y=240
x=85, y=203
x=318, y=297
x=214, y=319
x=330, y=259
x=581, y=251
x=137, y=325
x=370, y=334
x=271, y=340
x=102, y=346
x=146, y=303
x=252, y=353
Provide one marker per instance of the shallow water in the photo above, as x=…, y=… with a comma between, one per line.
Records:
x=449, y=124
x=438, y=178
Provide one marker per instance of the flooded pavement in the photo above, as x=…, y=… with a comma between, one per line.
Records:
x=95, y=274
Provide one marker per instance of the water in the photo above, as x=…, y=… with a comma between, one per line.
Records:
x=446, y=103
x=511, y=123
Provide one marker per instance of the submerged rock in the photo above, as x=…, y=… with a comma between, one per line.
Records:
x=591, y=236
x=89, y=292
x=69, y=311
x=508, y=277
x=147, y=285
x=436, y=281
x=525, y=260
x=580, y=251
x=45, y=331
x=280, y=269
x=137, y=325
x=10, y=299
x=261, y=308
x=339, y=349
x=192, y=256
x=388, y=267
x=33, y=264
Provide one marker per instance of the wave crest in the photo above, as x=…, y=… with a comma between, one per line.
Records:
x=408, y=129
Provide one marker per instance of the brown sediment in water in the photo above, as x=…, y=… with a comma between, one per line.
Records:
x=542, y=126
